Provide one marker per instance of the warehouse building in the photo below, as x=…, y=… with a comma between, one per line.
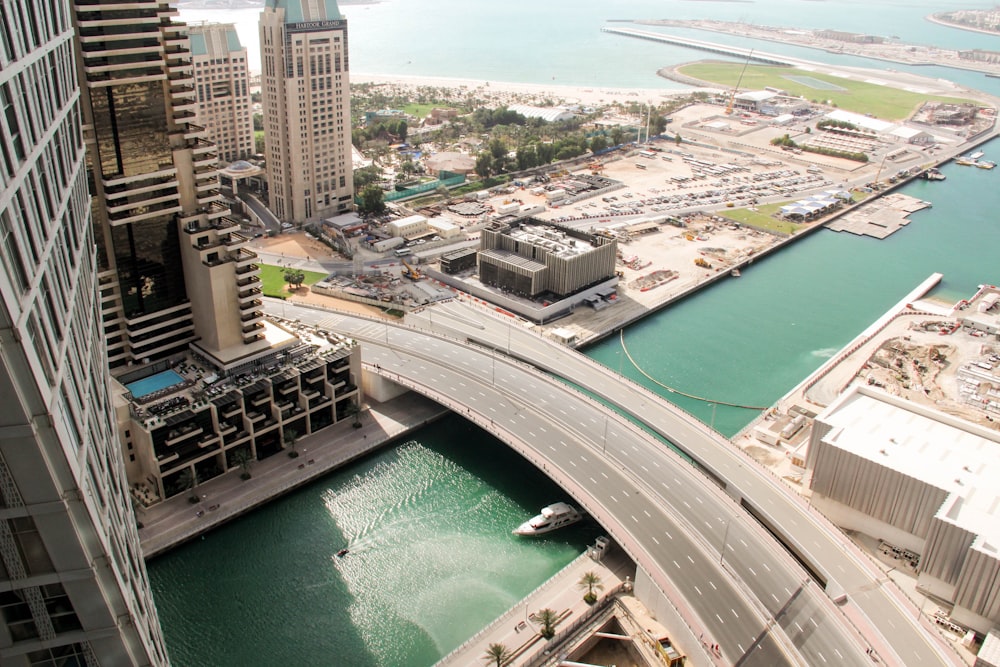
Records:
x=531, y=259
x=921, y=480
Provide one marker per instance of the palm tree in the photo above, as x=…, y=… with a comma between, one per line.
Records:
x=497, y=654
x=547, y=617
x=352, y=410
x=188, y=480
x=591, y=581
x=291, y=436
x=244, y=460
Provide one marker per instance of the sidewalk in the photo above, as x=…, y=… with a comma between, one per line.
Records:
x=515, y=628
x=226, y=497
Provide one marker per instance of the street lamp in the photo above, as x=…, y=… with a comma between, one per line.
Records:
x=725, y=541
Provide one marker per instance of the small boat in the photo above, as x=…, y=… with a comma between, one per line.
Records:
x=986, y=164
x=965, y=161
x=553, y=517
x=977, y=155
x=933, y=174
x=342, y=553
x=735, y=273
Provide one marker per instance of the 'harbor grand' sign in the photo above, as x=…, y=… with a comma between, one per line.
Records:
x=308, y=26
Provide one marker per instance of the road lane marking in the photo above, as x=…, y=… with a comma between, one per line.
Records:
x=691, y=559
x=700, y=501
x=653, y=537
x=813, y=621
x=678, y=566
x=712, y=585
x=613, y=498
x=838, y=654
x=605, y=475
x=720, y=618
x=573, y=464
x=821, y=655
x=686, y=504
x=766, y=567
x=647, y=514
x=751, y=571
x=593, y=480
x=740, y=647
x=644, y=468
x=552, y=448
x=734, y=612
x=799, y=626
x=775, y=598
x=698, y=589
x=745, y=545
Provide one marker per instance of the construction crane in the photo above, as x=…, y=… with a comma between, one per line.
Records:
x=746, y=63
x=410, y=272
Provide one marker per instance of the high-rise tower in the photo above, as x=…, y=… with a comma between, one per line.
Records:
x=307, y=108
x=222, y=79
x=73, y=585
x=172, y=264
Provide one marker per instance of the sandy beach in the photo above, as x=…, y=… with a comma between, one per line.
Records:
x=506, y=91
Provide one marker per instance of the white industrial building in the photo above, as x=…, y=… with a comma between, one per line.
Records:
x=548, y=114
x=921, y=480
x=409, y=227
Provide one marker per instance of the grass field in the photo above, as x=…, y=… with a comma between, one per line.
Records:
x=881, y=101
x=418, y=110
x=273, y=280
x=761, y=218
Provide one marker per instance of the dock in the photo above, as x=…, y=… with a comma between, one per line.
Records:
x=879, y=218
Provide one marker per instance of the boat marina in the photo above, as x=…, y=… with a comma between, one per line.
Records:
x=881, y=217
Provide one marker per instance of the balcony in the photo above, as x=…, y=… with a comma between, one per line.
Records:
x=184, y=433
x=208, y=440
x=313, y=379
x=287, y=389
x=247, y=272
x=231, y=410
x=250, y=297
x=255, y=417
x=235, y=241
x=309, y=394
x=245, y=258
x=226, y=429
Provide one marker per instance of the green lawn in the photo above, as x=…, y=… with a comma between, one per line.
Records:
x=761, y=218
x=419, y=110
x=273, y=280
x=882, y=102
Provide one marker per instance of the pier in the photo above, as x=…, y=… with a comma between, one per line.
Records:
x=734, y=51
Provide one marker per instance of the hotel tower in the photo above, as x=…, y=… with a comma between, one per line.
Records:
x=307, y=108
x=172, y=263
x=73, y=585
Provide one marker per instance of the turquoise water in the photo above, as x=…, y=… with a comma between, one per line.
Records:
x=428, y=523
x=153, y=383
x=749, y=341
x=431, y=561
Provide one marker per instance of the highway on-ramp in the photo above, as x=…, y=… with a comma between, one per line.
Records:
x=724, y=573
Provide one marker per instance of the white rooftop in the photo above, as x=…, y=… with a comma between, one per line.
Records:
x=860, y=120
x=935, y=448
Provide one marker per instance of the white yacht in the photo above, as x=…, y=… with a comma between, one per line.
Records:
x=556, y=515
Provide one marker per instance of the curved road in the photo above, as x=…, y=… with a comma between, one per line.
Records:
x=745, y=592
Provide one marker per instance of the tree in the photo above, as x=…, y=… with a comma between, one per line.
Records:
x=598, y=143
x=677, y=139
x=372, y=200
x=591, y=581
x=484, y=165
x=366, y=176
x=187, y=480
x=258, y=122
x=294, y=278
x=547, y=617
x=617, y=136
x=352, y=410
x=497, y=654
x=291, y=437
x=244, y=459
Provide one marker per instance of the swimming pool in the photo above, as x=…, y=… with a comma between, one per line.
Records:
x=153, y=383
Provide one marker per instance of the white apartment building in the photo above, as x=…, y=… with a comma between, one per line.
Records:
x=307, y=109
x=73, y=585
x=222, y=81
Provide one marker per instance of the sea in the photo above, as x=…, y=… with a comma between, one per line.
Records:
x=428, y=522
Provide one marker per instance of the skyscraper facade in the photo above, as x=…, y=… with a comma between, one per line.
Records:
x=307, y=108
x=222, y=79
x=73, y=585
x=172, y=264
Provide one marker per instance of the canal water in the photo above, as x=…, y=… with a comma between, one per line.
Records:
x=431, y=560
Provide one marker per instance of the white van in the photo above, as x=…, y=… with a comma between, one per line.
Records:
x=402, y=252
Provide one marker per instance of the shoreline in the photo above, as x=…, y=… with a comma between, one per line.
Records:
x=567, y=92
x=934, y=18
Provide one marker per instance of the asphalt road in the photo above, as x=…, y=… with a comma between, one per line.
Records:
x=746, y=592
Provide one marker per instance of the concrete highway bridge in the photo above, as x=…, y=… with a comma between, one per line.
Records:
x=721, y=545
x=734, y=51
